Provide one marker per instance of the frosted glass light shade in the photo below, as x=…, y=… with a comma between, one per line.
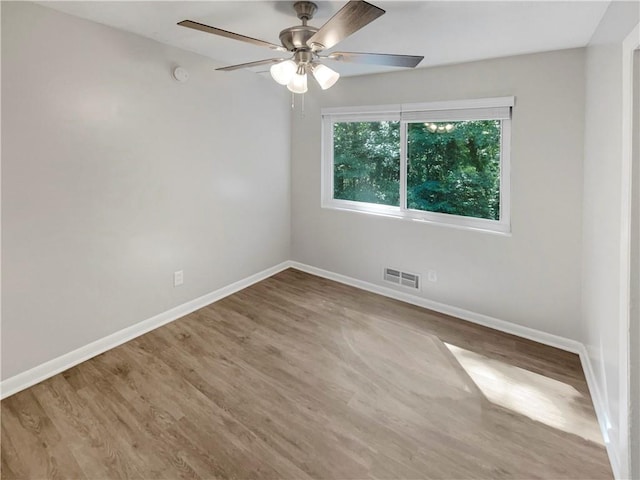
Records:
x=325, y=77
x=298, y=83
x=283, y=72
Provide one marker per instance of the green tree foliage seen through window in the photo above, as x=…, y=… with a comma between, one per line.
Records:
x=366, y=162
x=454, y=170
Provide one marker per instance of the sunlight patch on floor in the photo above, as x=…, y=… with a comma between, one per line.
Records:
x=540, y=398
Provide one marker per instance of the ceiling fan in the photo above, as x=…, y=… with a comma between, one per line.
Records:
x=306, y=43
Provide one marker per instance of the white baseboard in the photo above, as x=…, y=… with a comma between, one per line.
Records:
x=601, y=411
x=485, y=320
x=48, y=369
x=562, y=343
x=52, y=367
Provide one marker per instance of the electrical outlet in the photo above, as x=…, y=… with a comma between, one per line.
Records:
x=178, y=278
x=432, y=276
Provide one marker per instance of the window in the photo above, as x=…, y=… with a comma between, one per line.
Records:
x=444, y=162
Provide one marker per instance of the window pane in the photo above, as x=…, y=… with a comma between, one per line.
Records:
x=454, y=167
x=366, y=162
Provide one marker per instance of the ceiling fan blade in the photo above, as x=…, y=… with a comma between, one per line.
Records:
x=235, y=36
x=376, y=59
x=250, y=64
x=349, y=19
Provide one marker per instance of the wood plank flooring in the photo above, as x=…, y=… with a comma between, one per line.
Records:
x=300, y=377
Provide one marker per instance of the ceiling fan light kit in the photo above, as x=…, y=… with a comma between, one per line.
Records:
x=325, y=76
x=284, y=71
x=298, y=83
x=306, y=44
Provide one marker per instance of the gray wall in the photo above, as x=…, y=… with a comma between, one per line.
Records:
x=602, y=317
x=532, y=277
x=114, y=176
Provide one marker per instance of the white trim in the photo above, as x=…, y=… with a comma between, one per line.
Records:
x=498, y=108
x=505, y=177
x=404, y=168
x=52, y=367
x=364, y=110
x=549, y=339
x=629, y=45
x=424, y=106
x=48, y=369
x=562, y=343
x=456, y=114
x=461, y=104
x=391, y=212
x=600, y=408
x=365, y=116
x=422, y=216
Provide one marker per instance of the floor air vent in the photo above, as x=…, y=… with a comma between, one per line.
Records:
x=405, y=279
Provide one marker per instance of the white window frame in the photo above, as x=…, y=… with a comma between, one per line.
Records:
x=422, y=112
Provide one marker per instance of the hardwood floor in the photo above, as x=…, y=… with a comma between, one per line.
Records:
x=301, y=377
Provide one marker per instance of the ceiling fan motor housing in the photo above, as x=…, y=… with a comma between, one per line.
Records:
x=295, y=38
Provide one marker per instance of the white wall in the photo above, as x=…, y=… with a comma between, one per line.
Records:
x=635, y=278
x=601, y=277
x=115, y=176
x=532, y=277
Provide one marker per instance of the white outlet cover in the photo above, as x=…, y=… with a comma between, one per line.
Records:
x=432, y=276
x=178, y=278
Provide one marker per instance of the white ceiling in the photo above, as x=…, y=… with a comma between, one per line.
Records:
x=444, y=32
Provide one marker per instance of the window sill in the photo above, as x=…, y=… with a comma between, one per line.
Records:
x=431, y=218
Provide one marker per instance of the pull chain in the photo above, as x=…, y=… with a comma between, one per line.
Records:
x=293, y=103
